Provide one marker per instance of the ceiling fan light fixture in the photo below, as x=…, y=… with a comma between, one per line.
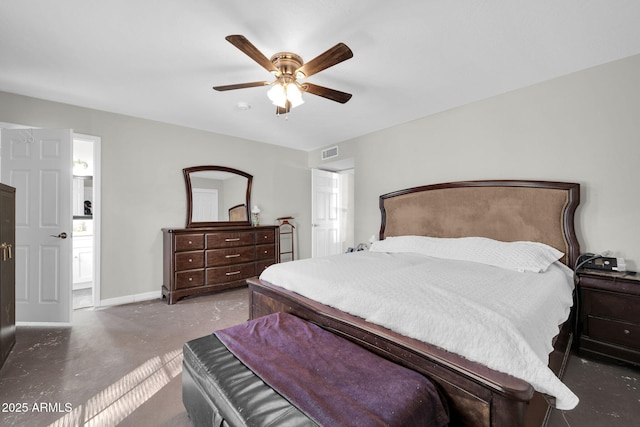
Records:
x=277, y=95
x=294, y=95
x=281, y=92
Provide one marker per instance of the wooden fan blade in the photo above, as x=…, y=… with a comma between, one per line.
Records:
x=325, y=92
x=331, y=57
x=241, y=86
x=251, y=51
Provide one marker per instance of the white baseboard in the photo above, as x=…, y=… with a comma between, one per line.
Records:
x=103, y=303
x=131, y=298
x=45, y=324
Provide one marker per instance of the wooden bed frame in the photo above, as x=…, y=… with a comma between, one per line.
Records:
x=503, y=210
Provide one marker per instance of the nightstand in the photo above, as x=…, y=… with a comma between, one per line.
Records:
x=610, y=315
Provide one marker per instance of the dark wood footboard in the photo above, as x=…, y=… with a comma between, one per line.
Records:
x=475, y=394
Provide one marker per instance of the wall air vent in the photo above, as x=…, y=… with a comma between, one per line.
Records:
x=330, y=153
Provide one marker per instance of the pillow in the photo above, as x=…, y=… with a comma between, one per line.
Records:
x=519, y=256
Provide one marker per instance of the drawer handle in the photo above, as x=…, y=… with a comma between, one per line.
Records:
x=232, y=273
x=191, y=279
x=232, y=256
x=6, y=248
x=190, y=242
x=235, y=239
x=627, y=332
x=266, y=237
x=266, y=252
x=190, y=260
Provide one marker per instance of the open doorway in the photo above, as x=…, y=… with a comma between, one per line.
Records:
x=332, y=211
x=86, y=230
x=43, y=223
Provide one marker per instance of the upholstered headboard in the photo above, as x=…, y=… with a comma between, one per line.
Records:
x=238, y=213
x=539, y=211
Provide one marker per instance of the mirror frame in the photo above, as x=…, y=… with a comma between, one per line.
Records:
x=187, y=179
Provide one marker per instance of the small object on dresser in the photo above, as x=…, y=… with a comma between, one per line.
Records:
x=255, y=216
x=598, y=262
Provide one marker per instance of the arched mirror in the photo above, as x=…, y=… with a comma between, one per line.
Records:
x=217, y=196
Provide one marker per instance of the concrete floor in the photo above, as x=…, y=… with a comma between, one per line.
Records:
x=119, y=365
x=609, y=395
x=122, y=366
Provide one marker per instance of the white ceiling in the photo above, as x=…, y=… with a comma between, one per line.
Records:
x=158, y=59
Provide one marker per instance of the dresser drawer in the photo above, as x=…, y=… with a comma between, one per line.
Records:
x=615, y=306
x=265, y=236
x=266, y=251
x=189, y=279
x=189, y=260
x=217, y=257
x=613, y=331
x=229, y=274
x=262, y=265
x=226, y=240
x=189, y=242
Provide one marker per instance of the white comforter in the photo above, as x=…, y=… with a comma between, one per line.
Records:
x=503, y=319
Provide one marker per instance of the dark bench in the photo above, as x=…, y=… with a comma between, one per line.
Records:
x=218, y=390
x=280, y=370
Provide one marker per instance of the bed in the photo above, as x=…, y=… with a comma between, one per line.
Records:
x=502, y=210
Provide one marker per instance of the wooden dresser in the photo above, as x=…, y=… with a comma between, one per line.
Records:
x=7, y=271
x=200, y=260
x=610, y=315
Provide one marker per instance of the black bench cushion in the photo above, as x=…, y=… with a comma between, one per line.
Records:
x=218, y=390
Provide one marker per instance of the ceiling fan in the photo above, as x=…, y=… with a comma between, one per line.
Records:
x=288, y=68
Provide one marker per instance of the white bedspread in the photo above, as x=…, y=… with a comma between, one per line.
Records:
x=503, y=319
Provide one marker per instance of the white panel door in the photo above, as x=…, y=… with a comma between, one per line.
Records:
x=325, y=213
x=38, y=163
x=205, y=205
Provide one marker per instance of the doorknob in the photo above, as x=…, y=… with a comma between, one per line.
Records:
x=62, y=235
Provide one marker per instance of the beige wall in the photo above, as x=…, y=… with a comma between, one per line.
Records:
x=143, y=188
x=584, y=127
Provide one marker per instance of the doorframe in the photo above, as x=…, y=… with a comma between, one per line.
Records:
x=97, y=208
x=346, y=168
x=96, y=211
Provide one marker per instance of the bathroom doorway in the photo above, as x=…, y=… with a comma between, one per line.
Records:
x=86, y=230
x=58, y=274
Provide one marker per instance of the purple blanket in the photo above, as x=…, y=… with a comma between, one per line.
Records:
x=334, y=381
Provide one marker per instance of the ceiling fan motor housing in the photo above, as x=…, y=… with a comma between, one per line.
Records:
x=287, y=63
